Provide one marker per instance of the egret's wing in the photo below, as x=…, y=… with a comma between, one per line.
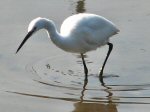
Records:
x=88, y=28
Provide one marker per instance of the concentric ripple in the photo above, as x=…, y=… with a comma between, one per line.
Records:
x=63, y=71
x=64, y=75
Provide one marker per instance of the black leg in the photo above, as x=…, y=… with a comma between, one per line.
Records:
x=85, y=68
x=83, y=89
x=109, y=51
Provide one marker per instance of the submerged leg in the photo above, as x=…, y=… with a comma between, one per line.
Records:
x=83, y=90
x=84, y=64
x=109, y=51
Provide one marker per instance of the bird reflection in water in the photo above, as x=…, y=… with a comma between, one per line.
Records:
x=94, y=107
x=77, y=6
x=80, y=7
x=97, y=106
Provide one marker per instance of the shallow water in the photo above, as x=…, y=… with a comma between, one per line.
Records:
x=41, y=77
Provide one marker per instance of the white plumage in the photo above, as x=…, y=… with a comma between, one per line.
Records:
x=87, y=32
x=79, y=33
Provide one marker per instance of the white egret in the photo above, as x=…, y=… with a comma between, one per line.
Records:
x=79, y=33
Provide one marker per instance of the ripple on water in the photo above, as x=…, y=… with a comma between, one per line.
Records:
x=66, y=74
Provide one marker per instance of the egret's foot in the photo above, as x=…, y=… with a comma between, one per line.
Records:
x=101, y=79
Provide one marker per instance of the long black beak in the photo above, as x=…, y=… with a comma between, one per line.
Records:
x=25, y=39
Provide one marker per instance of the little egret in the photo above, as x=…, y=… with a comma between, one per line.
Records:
x=79, y=33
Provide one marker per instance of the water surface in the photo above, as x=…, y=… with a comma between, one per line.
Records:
x=42, y=76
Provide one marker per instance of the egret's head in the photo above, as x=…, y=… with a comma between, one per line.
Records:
x=34, y=26
x=37, y=24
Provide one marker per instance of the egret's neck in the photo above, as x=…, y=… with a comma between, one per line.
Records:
x=56, y=37
x=52, y=31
